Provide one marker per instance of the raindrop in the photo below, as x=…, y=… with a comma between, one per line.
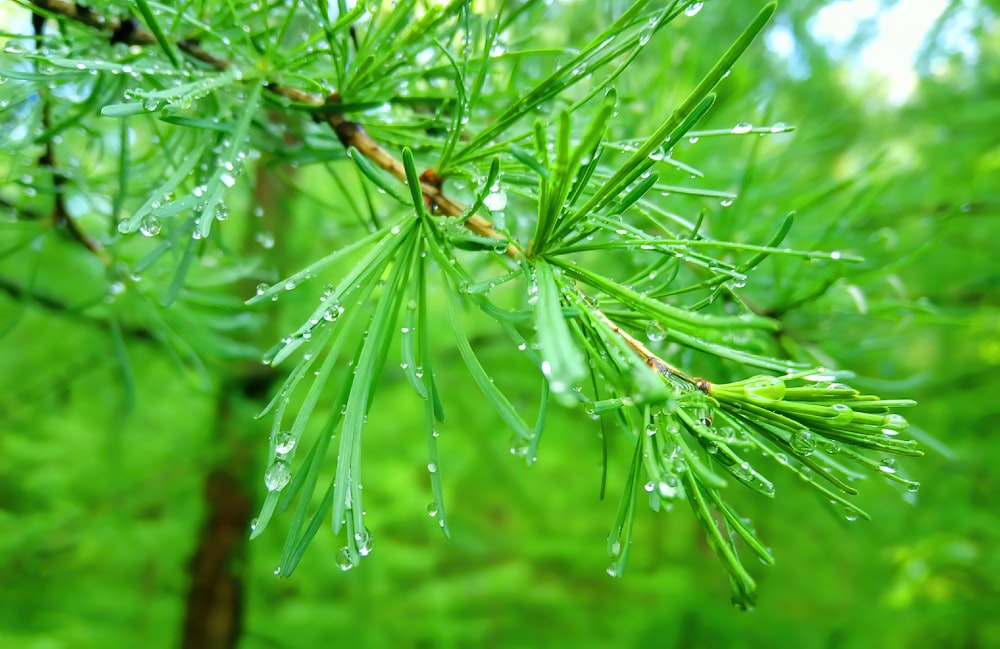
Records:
x=888, y=466
x=432, y=468
x=284, y=443
x=278, y=476
x=895, y=422
x=227, y=179
x=332, y=313
x=654, y=332
x=364, y=541
x=742, y=127
x=265, y=239
x=150, y=226
x=151, y=105
x=495, y=200
x=262, y=287
x=344, y=561
x=432, y=510
x=613, y=570
x=693, y=8
x=802, y=442
x=221, y=212
x=765, y=388
x=842, y=413
x=726, y=202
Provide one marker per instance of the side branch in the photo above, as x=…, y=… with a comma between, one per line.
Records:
x=350, y=134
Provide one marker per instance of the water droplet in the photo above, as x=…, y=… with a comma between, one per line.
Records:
x=278, y=476
x=495, y=200
x=742, y=127
x=836, y=254
x=765, y=388
x=519, y=447
x=693, y=139
x=802, y=442
x=432, y=510
x=290, y=284
x=693, y=8
x=842, y=413
x=894, y=422
x=726, y=202
x=344, y=561
x=227, y=179
x=888, y=465
x=613, y=571
x=150, y=226
x=432, y=468
x=262, y=287
x=284, y=443
x=364, y=540
x=265, y=239
x=654, y=332
x=221, y=212
x=333, y=312
x=151, y=105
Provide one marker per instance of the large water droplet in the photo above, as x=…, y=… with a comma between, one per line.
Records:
x=765, y=388
x=284, y=443
x=654, y=332
x=344, y=561
x=693, y=8
x=802, y=442
x=150, y=226
x=743, y=127
x=364, y=540
x=278, y=476
x=842, y=413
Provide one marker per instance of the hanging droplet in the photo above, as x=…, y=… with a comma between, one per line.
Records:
x=221, y=212
x=150, y=226
x=284, y=443
x=261, y=288
x=888, y=465
x=344, y=561
x=278, y=476
x=693, y=8
x=654, y=332
x=432, y=510
x=742, y=127
x=364, y=540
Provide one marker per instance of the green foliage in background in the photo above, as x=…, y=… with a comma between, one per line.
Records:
x=592, y=222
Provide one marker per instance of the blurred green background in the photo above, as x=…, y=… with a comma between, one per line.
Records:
x=105, y=494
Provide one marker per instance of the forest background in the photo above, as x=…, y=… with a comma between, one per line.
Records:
x=105, y=483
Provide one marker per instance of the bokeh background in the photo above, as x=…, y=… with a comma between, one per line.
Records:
x=117, y=491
